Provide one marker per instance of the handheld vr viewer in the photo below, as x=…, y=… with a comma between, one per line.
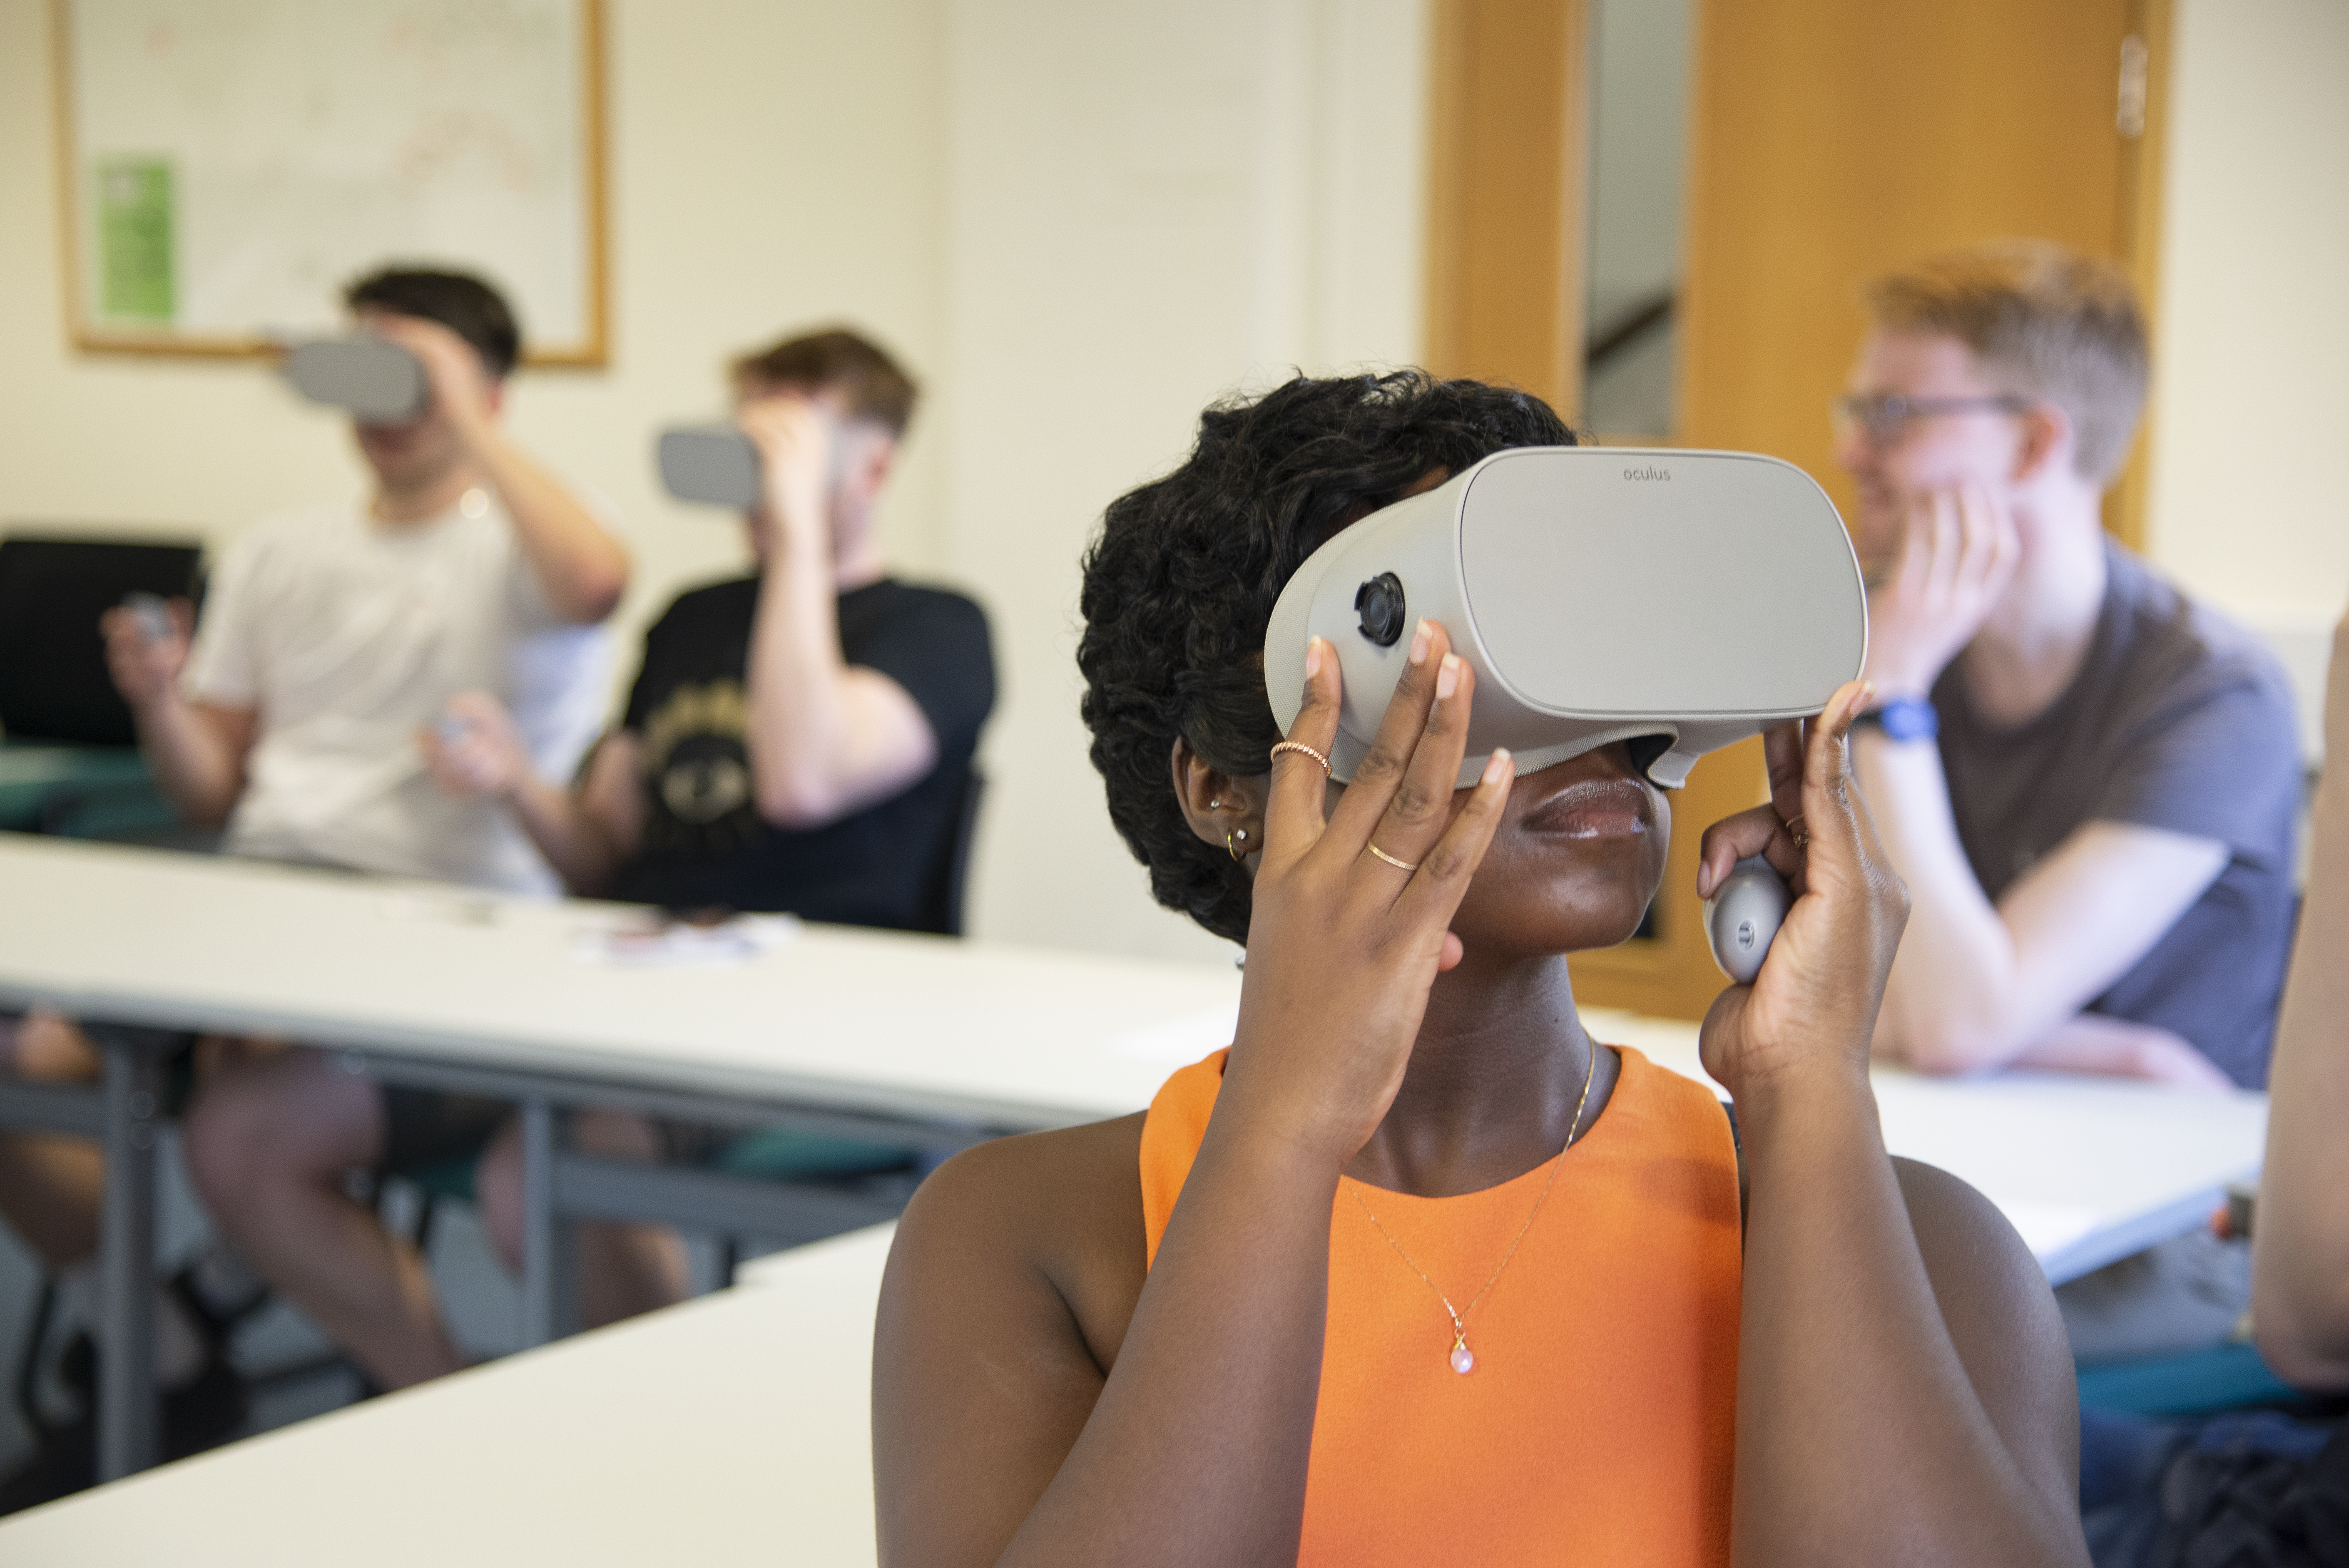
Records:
x=380, y=383
x=1679, y=600
x=713, y=464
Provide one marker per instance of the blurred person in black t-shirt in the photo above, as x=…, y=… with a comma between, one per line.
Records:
x=799, y=739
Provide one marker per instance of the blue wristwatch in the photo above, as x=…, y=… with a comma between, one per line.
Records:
x=1903, y=718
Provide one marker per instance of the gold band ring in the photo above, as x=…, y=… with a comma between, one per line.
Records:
x=1300, y=745
x=1798, y=832
x=1399, y=865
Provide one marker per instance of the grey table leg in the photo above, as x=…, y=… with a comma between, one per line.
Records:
x=127, y=1398
x=547, y=1286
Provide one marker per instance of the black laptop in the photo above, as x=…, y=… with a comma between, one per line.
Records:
x=52, y=679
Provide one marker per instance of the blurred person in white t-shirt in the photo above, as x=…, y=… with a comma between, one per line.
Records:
x=329, y=649
x=291, y=717
x=334, y=635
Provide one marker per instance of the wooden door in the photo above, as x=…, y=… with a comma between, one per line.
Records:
x=1837, y=139
x=1833, y=141
x=1506, y=151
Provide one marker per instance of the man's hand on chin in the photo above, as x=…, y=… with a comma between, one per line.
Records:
x=1957, y=552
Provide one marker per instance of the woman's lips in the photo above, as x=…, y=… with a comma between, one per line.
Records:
x=1594, y=808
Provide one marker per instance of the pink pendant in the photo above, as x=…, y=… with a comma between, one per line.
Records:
x=1462, y=1361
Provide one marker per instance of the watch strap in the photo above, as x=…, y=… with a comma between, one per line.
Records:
x=1903, y=718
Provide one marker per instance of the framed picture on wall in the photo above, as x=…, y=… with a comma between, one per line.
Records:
x=225, y=165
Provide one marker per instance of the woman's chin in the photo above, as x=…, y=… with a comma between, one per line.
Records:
x=1548, y=930
x=1547, y=893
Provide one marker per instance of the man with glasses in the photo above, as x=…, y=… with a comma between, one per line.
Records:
x=2089, y=781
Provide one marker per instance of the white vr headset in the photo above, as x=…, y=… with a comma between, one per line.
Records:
x=1681, y=599
x=380, y=383
x=715, y=465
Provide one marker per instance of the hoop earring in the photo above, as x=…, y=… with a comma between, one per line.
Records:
x=1233, y=839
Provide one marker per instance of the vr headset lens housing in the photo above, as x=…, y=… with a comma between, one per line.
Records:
x=380, y=383
x=715, y=465
x=1681, y=600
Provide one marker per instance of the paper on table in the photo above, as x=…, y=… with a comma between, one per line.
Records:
x=2048, y=1227
x=680, y=945
x=1178, y=1042
x=437, y=906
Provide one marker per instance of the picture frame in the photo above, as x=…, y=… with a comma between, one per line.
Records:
x=225, y=167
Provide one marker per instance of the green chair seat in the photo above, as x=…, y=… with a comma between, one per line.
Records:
x=39, y=779
x=2222, y=1377
x=448, y=1179
x=784, y=1154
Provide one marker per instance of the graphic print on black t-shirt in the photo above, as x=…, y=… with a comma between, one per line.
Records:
x=698, y=768
x=704, y=842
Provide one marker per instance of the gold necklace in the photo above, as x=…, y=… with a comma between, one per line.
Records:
x=1463, y=1359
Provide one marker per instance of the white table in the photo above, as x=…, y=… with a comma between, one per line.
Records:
x=867, y=1022
x=731, y=1429
x=867, y=1029
x=738, y=1426
x=856, y=1031
x=2088, y=1170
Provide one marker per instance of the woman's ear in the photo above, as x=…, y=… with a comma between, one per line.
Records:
x=1224, y=809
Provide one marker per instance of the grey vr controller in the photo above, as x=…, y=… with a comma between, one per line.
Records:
x=1744, y=916
x=715, y=465
x=380, y=383
x=152, y=615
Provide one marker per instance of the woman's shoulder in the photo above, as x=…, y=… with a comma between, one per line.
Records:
x=1025, y=1218
x=999, y=1182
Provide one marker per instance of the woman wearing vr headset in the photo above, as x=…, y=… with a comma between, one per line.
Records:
x=1417, y=1272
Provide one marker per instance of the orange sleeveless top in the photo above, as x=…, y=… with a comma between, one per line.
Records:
x=1597, y=1425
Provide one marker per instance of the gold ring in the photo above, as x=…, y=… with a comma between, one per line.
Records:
x=1399, y=865
x=1798, y=832
x=1300, y=745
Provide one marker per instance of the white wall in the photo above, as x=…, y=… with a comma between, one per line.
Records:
x=770, y=164
x=1078, y=223
x=2249, y=505
x=1150, y=206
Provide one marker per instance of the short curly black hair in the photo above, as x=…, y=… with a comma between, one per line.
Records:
x=1180, y=585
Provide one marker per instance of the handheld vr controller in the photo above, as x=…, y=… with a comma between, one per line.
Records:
x=1744, y=916
x=151, y=614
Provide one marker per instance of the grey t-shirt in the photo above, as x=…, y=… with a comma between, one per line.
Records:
x=2180, y=720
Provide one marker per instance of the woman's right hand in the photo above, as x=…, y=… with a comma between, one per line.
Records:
x=1343, y=945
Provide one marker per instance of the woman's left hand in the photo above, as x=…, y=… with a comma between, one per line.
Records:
x=1813, y=1006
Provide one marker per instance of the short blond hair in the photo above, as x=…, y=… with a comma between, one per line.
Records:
x=2043, y=321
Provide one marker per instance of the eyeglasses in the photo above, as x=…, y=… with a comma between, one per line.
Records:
x=1883, y=416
